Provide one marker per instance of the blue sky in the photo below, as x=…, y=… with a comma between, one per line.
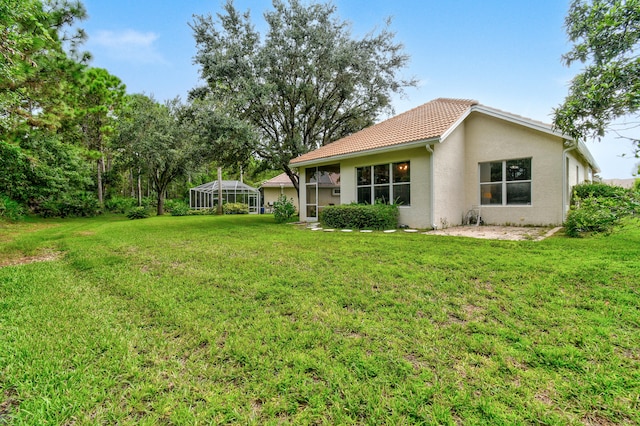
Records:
x=505, y=54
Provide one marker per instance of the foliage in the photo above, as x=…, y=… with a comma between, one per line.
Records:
x=597, y=208
x=41, y=169
x=283, y=209
x=305, y=84
x=37, y=77
x=367, y=329
x=598, y=190
x=120, y=204
x=138, y=213
x=10, y=209
x=14, y=171
x=101, y=94
x=606, y=37
x=235, y=208
x=159, y=140
x=636, y=186
x=360, y=216
x=75, y=204
x=204, y=212
x=177, y=207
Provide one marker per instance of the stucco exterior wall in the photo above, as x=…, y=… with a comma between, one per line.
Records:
x=491, y=139
x=272, y=194
x=417, y=214
x=449, y=180
x=577, y=171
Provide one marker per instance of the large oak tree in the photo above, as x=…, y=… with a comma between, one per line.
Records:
x=304, y=84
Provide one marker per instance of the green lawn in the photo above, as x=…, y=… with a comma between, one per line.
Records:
x=208, y=320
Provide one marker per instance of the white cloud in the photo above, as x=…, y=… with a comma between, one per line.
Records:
x=128, y=46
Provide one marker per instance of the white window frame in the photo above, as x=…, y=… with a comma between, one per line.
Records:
x=390, y=184
x=505, y=183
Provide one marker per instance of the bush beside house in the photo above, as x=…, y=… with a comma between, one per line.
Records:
x=597, y=208
x=360, y=216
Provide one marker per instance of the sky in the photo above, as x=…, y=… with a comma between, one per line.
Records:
x=506, y=54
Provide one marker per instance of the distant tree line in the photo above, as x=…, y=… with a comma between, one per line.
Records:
x=71, y=138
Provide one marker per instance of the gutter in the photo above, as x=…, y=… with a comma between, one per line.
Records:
x=431, y=188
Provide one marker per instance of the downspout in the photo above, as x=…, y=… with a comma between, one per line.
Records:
x=431, y=188
x=565, y=183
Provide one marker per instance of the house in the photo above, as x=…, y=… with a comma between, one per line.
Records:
x=273, y=188
x=328, y=190
x=444, y=158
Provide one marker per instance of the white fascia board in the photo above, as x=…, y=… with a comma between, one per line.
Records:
x=455, y=125
x=392, y=148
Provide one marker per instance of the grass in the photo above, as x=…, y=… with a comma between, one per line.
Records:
x=234, y=319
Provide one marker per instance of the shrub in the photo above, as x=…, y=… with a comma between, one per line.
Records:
x=283, y=209
x=235, y=208
x=138, y=213
x=595, y=189
x=597, y=208
x=79, y=203
x=120, y=204
x=360, y=216
x=203, y=212
x=179, y=208
x=10, y=209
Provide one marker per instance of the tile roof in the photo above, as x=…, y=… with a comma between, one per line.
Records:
x=275, y=182
x=427, y=121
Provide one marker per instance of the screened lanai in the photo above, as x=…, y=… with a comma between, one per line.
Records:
x=205, y=196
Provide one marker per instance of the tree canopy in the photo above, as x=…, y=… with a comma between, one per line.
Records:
x=306, y=83
x=37, y=75
x=157, y=139
x=606, y=38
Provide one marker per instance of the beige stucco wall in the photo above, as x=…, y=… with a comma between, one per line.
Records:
x=449, y=180
x=491, y=139
x=271, y=195
x=417, y=214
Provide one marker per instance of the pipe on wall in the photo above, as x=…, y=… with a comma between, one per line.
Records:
x=431, y=188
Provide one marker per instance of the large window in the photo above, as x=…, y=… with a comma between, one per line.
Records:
x=506, y=182
x=384, y=183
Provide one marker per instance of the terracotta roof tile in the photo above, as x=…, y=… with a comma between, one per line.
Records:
x=427, y=121
x=275, y=182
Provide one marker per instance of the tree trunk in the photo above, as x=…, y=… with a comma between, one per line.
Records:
x=219, y=190
x=100, y=166
x=160, y=199
x=294, y=178
x=139, y=187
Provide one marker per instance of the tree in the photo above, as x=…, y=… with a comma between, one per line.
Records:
x=158, y=140
x=305, y=84
x=605, y=36
x=35, y=71
x=101, y=96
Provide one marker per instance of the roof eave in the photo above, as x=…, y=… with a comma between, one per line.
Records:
x=398, y=147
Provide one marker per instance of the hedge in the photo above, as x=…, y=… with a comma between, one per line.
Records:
x=360, y=216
